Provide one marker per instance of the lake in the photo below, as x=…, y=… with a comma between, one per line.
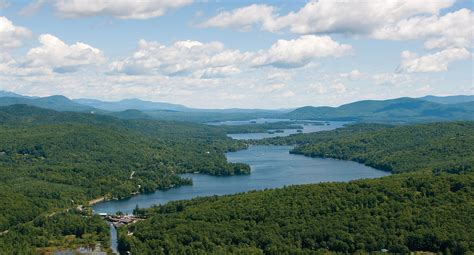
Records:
x=309, y=126
x=272, y=167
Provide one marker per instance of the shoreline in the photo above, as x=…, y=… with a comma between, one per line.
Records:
x=97, y=200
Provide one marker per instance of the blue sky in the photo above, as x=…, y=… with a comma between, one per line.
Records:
x=247, y=54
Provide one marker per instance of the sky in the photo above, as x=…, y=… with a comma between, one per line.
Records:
x=245, y=54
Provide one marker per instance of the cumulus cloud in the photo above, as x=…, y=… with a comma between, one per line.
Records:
x=243, y=18
x=299, y=52
x=181, y=58
x=12, y=36
x=435, y=62
x=60, y=57
x=122, y=9
x=382, y=19
x=324, y=16
x=198, y=59
x=451, y=30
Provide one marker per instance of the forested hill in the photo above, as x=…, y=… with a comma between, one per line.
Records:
x=393, y=110
x=404, y=148
x=427, y=208
x=51, y=161
x=52, y=102
x=391, y=148
x=398, y=110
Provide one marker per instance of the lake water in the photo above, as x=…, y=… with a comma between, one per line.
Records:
x=272, y=167
x=309, y=126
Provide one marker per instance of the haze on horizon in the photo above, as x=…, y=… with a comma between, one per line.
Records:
x=233, y=54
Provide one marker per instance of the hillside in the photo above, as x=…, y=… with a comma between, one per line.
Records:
x=59, y=103
x=4, y=93
x=427, y=209
x=412, y=148
x=394, y=110
x=400, y=110
x=449, y=99
x=128, y=104
x=50, y=161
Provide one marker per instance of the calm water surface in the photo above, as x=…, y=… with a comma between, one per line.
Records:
x=272, y=167
x=308, y=127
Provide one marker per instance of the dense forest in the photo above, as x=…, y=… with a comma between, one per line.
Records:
x=63, y=231
x=51, y=160
x=412, y=148
x=391, y=148
x=427, y=206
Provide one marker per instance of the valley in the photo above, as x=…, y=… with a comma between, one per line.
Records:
x=63, y=160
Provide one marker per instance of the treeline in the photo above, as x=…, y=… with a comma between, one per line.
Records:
x=53, y=160
x=400, y=149
x=260, y=127
x=317, y=137
x=63, y=231
x=427, y=208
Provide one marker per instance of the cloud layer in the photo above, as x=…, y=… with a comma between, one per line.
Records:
x=300, y=69
x=122, y=9
x=325, y=16
x=213, y=59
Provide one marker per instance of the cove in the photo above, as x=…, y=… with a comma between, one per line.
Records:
x=272, y=167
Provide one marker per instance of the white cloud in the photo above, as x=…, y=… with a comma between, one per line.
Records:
x=424, y=89
x=271, y=88
x=32, y=8
x=299, y=52
x=11, y=36
x=181, y=58
x=220, y=71
x=60, y=57
x=389, y=78
x=327, y=88
x=122, y=9
x=197, y=59
x=381, y=19
x=317, y=88
x=435, y=62
x=339, y=88
x=243, y=18
x=285, y=94
x=324, y=16
x=353, y=75
x=454, y=29
x=279, y=76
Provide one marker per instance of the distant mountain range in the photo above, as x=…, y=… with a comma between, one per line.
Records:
x=449, y=99
x=4, y=93
x=393, y=110
x=58, y=103
x=429, y=108
x=127, y=104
